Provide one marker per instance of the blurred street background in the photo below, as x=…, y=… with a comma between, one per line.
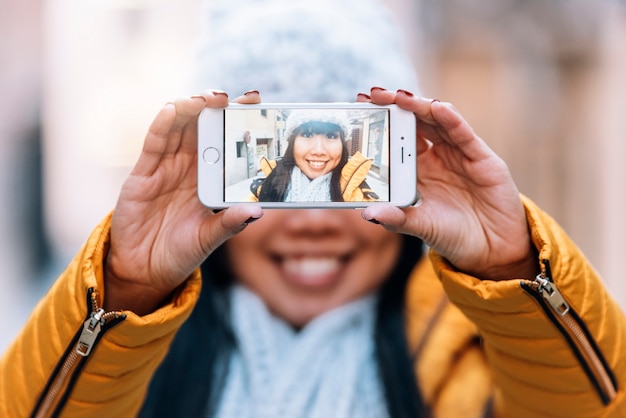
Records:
x=542, y=82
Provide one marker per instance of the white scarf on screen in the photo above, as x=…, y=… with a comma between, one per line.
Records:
x=303, y=189
x=325, y=370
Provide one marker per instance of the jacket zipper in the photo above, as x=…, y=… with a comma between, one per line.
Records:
x=545, y=291
x=62, y=380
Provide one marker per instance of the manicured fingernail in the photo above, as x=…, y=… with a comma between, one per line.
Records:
x=251, y=92
x=434, y=100
x=379, y=88
x=199, y=97
x=405, y=92
x=365, y=96
x=220, y=93
x=372, y=220
x=251, y=219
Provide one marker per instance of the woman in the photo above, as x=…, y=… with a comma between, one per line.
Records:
x=315, y=166
x=298, y=297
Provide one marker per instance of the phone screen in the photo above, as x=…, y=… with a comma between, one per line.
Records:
x=306, y=155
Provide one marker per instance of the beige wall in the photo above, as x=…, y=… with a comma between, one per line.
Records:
x=608, y=106
x=20, y=83
x=551, y=101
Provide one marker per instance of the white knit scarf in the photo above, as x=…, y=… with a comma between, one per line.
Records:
x=325, y=370
x=303, y=189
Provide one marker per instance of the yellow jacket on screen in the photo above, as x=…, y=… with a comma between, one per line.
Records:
x=353, y=175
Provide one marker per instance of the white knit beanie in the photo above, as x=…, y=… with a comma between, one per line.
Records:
x=299, y=117
x=303, y=50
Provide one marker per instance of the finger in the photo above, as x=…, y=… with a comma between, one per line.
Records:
x=390, y=217
x=406, y=100
x=156, y=141
x=408, y=221
x=164, y=134
x=216, y=98
x=427, y=126
x=423, y=144
x=458, y=132
x=225, y=224
x=189, y=135
x=187, y=110
x=433, y=132
x=440, y=121
x=363, y=98
x=421, y=106
x=381, y=96
x=249, y=97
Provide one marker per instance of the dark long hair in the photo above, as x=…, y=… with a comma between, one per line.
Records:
x=189, y=381
x=275, y=186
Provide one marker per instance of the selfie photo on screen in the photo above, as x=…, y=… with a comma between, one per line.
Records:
x=306, y=155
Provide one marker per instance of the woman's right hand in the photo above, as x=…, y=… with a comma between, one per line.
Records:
x=160, y=232
x=471, y=211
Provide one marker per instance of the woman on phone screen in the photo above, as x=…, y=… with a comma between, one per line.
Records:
x=315, y=166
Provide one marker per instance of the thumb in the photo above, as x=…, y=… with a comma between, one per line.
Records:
x=393, y=218
x=223, y=225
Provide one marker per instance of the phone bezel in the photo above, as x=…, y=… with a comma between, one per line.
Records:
x=402, y=156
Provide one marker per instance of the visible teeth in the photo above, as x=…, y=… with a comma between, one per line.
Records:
x=317, y=164
x=311, y=267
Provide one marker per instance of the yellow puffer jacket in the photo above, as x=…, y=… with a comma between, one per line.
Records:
x=499, y=347
x=353, y=175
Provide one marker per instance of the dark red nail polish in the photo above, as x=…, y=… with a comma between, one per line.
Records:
x=373, y=220
x=251, y=219
x=405, y=92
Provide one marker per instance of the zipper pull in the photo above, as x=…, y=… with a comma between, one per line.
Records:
x=551, y=294
x=91, y=328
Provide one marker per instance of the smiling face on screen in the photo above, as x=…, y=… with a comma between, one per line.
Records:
x=317, y=148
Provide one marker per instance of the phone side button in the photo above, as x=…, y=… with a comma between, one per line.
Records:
x=211, y=155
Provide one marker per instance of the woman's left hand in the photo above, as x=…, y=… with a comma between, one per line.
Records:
x=471, y=212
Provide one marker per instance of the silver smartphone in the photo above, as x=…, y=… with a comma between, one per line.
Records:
x=298, y=155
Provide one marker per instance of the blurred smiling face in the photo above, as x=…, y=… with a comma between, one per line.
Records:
x=305, y=262
x=317, y=148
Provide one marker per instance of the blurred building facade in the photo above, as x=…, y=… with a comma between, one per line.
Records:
x=21, y=213
x=541, y=82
